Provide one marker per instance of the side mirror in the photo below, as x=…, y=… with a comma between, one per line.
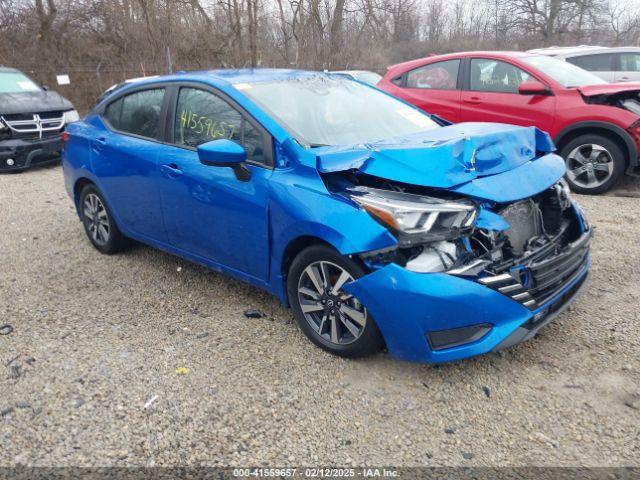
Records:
x=533, y=88
x=225, y=153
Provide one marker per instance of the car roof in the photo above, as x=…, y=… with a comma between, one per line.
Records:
x=248, y=75
x=553, y=51
x=452, y=56
x=232, y=82
x=581, y=50
x=221, y=78
x=351, y=71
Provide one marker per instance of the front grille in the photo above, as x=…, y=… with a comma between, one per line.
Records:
x=511, y=287
x=550, y=275
x=51, y=115
x=34, y=125
x=536, y=283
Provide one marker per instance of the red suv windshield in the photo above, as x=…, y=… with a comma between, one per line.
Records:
x=564, y=73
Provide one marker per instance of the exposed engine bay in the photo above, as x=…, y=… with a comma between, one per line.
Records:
x=628, y=99
x=538, y=242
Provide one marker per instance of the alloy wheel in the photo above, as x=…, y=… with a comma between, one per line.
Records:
x=589, y=165
x=97, y=219
x=335, y=315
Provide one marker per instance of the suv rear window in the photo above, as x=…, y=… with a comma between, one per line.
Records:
x=137, y=113
x=594, y=63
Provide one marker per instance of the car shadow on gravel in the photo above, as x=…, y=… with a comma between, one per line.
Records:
x=212, y=286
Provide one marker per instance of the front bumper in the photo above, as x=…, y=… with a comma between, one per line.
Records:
x=27, y=153
x=410, y=307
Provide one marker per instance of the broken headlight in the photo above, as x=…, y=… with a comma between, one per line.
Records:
x=410, y=215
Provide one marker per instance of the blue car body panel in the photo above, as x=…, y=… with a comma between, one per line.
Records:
x=435, y=302
x=521, y=182
x=441, y=157
x=245, y=229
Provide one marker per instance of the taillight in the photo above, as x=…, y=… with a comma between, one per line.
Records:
x=64, y=137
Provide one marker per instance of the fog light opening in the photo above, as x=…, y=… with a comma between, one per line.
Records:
x=10, y=162
x=455, y=337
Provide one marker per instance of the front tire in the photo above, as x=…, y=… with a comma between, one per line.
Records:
x=594, y=163
x=99, y=225
x=331, y=318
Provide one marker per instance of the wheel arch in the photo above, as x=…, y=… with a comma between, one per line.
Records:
x=297, y=245
x=291, y=251
x=77, y=188
x=609, y=130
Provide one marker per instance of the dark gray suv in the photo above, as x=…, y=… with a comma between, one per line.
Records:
x=32, y=119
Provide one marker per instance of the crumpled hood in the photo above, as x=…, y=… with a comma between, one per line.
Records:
x=33, y=102
x=609, y=88
x=442, y=157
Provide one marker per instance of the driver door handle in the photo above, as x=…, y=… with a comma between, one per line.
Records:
x=473, y=100
x=171, y=170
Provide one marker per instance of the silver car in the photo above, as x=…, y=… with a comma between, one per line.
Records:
x=615, y=64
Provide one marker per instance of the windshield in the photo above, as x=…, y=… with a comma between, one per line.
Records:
x=564, y=73
x=322, y=110
x=16, y=82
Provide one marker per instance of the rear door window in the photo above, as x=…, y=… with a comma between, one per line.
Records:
x=602, y=62
x=438, y=76
x=137, y=113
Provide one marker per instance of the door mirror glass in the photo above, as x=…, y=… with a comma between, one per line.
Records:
x=532, y=87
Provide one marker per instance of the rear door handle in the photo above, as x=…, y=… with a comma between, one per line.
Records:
x=472, y=100
x=171, y=170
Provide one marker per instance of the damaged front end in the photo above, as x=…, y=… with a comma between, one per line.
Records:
x=489, y=246
x=481, y=240
x=467, y=275
x=626, y=96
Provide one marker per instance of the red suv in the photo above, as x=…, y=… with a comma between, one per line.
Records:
x=595, y=125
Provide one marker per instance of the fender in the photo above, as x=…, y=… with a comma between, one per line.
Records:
x=325, y=217
x=632, y=149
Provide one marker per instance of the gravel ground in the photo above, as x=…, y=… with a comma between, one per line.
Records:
x=96, y=338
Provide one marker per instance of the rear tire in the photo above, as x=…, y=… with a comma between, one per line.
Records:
x=594, y=163
x=332, y=319
x=99, y=224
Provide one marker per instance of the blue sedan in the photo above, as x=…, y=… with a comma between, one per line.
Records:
x=379, y=225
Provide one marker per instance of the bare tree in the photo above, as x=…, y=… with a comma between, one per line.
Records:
x=115, y=39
